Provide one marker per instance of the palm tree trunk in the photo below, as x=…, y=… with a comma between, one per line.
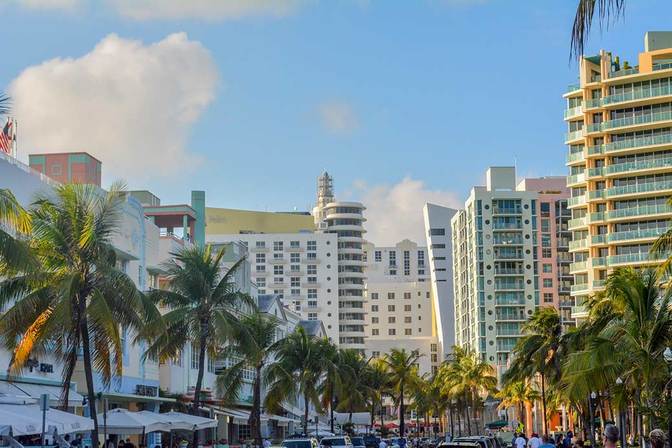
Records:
x=459, y=422
x=255, y=415
x=373, y=416
x=199, y=378
x=65, y=393
x=466, y=409
x=88, y=372
x=544, y=425
x=331, y=406
x=452, y=427
x=402, y=410
x=305, y=414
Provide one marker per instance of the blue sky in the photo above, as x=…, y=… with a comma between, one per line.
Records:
x=373, y=91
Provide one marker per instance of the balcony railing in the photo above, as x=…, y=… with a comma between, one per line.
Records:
x=578, y=266
x=574, y=135
x=577, y=222
x=662, y=162
x=639, y=188
x=642, y=210
x=624, y=72
x=597, y=262
x=573, y=112
x=573, y=87
x=594, y=127
x=642, y=257
x=576, y=179
x=637, y=94
x=579, y=287
x=597, y=216
x=593, y=103
x=662, y=139
x=635, y=234
x=578, y=244
x=598, y=239
x=638, y=119
x=576, y=200
x=575, y=157
x=596, y=194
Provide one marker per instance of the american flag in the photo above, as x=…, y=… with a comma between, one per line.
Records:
x=7, y=137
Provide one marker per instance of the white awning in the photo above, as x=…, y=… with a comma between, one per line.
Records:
x=123, y=421
x=195, y=421
x=27, y=419
x=10, y=390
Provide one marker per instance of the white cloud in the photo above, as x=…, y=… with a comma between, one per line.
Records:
x=130, y=105
x=338, y=117
x=394, y=212
x=203, y=9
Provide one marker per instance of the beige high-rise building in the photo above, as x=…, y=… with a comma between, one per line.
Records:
x=619, y=119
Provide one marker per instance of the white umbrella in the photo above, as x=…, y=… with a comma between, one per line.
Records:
x=25, y=421
x=195, y=421
x=174, y=422
x=71, y=422
x=122, y=421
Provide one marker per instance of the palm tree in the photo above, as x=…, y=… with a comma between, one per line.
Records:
x=4, y=104
x=331, y=384
x=353, y=382
x=517, y=394
x=202, y=303
x=297, y=372
x=253, y=344
x=75, y=298
x=403, y=369
x=14, y=254
x=377, y=379
x=538, y=352
x=585, y=11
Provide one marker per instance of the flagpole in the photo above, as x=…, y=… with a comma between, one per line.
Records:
x=15, y=144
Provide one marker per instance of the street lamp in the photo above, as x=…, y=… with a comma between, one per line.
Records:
x=591, y=399
x=667, y=355
x=621, y=413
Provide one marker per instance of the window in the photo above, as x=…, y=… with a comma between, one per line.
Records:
x=312, y=269
x=546, y=252
x=407, y=295
x=280, y=293
x=261, y=258
x=278, y=270
x=434, y=347
x=374, y=308
x=391, y=319
x=548, y=297
x=375, y=332
x=261, y=282
x=547, y=267
x=295, y=268
x=391, y=331
x=375, y=354
x=427, y=294
x=312, y=293
x=211, y=365
x=295, y=282
x=177, y=359
x=548, y=283
x=277, y=245
x=408, y=332
x=437, y=232
x=295, y=292
x=194, y=357
x=312, y=316
x=437, y=246
x=312, y=245
x=545, y=225
x=421, y=258
x=407, y=308
x=374, y=296
x=408, y=319
x=278, y=256
x=374, y=320
x=393, y=258
x=261, y=268
x=378, y=256
x=393, y=272
x=260, y=244
x=390, y=308
x=312, y=304
x=294, y=244
x=294, y=258
x=390, y=295
x=312, y=280
x=311, y=255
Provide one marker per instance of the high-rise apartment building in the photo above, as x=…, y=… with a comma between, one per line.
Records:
x=439, y=262
x=619, y=118
x=346, y=221
x=505, y=260
x=399, y=307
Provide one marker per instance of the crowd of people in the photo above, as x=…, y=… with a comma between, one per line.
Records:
x=609, y=437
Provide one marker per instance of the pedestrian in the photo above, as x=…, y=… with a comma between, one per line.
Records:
x=266, y=443
x=382, y=444
x=520, y=441
x=546, y=442
x=610, y=436
x=567, y=443
x=120, y=444
x=534, y=441
x=559, y=440
x=657, y=438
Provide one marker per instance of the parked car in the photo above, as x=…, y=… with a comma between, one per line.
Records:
x=306, y=442
x=454, y=444
x=336, y=442
x=483, y=441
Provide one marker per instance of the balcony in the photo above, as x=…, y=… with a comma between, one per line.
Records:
x=663, y=162
x=623, y=72
x=578, y=266
x=596, y=217
x=638, y=142
x=597, y=194
x=628, y=259
x=576, y=179
x=596, y=172
x=637, y=120
x=593, y=127
x=598, y=284
x=641, y=234
x=576, y=200
x=578, y=244
x=573, y=88
x=577, y=223
x=574, y=135
x=592, y=150
x=504, y=271
x=574, y=157
x=598, y=239
x=644, y=210
x=580, y=288
x=598, y=262
x=592, y=103
x=637, y=94
x=579, y=312
x=639, y=188
x=573, y=112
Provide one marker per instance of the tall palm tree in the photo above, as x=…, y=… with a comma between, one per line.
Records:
x=353, y=382
x=14, y=253
x=76, y=298
x=253, y=344
x=583, y=20
x=538, y=352
x=403, y=369
x=202, y=303
x=517, y=394
x=297, y=372
x=331, y=385
x=377, y=380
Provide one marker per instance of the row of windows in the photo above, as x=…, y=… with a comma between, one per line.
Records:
x=279, y=245
x=392, y=308
x=392, y=296
x=311, y=269
x=393, y=331
x=393, y=319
